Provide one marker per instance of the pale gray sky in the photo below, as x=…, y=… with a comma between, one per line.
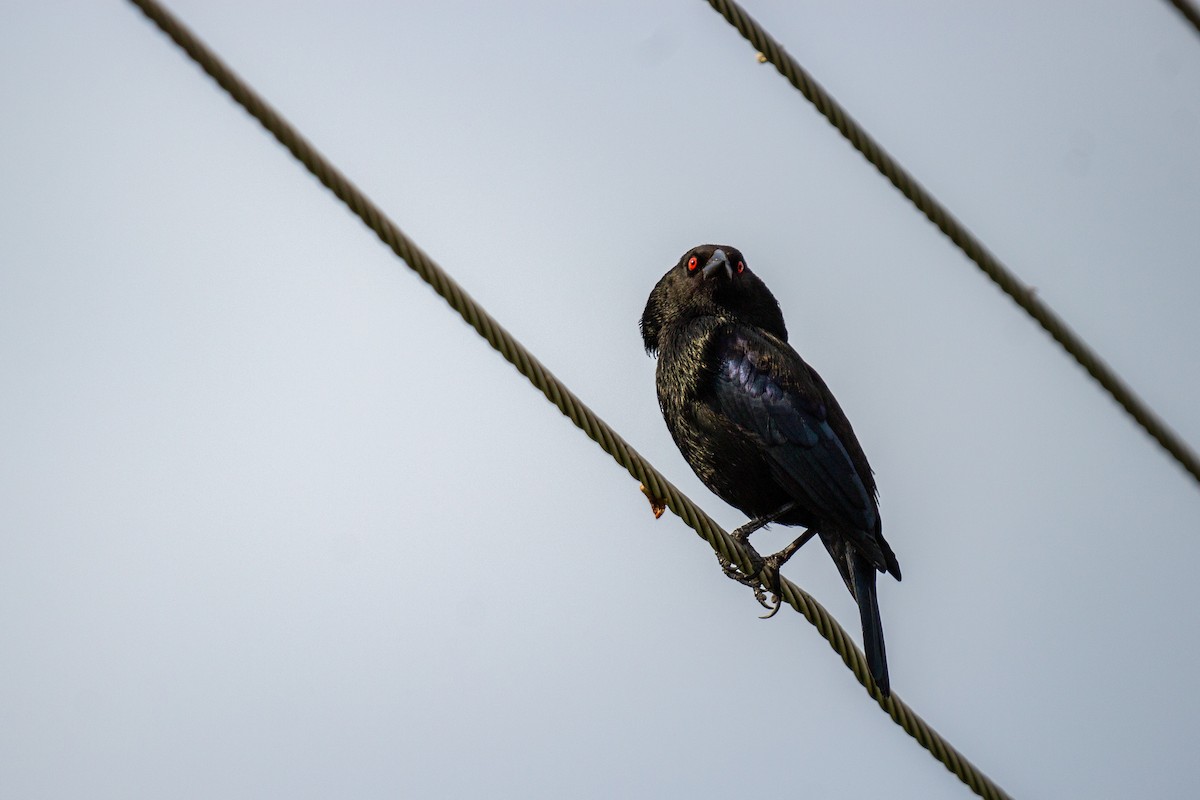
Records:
x=276, y=523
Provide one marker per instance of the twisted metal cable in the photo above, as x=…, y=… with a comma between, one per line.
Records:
x=974, y=249
x=571, y=406
x=1189, y=12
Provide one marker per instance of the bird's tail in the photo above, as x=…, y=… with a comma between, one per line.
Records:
x=859, y=575
x=863, y=575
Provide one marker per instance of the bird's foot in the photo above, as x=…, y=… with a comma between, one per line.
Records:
x=769, y=572
x=765, y=570
x=741, y=535
x=733, y=572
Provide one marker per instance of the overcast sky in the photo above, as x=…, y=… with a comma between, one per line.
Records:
x=274, y=522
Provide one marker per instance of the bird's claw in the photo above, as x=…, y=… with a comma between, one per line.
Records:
x=753, y=580
x=772, y=606
x=770, y=576
x=734, y=572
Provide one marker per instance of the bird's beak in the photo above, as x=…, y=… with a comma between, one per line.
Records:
x=718, y=260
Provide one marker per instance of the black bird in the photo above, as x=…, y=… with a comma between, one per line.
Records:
x=759, y=426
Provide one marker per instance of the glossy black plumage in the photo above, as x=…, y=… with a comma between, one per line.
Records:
x=758, y=425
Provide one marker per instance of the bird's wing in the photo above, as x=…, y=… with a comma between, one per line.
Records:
x=764, y=388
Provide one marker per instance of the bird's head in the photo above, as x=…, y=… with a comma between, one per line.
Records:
x=710, y=280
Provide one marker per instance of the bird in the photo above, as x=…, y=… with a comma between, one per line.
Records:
x=760, y=428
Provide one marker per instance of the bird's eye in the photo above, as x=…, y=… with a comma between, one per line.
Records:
x=692, y=264
x=741, y=267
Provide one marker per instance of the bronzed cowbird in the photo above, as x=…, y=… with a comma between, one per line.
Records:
x=759, y=426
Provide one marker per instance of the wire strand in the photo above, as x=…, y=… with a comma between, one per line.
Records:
x=974, y=249
x=1189, y=12
x=558, y=394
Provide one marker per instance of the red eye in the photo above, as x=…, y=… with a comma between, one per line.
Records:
x=741, y=267
x=692, y=264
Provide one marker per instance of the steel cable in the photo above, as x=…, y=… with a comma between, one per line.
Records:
x=1189, y=12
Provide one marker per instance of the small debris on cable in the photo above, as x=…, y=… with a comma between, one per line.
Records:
x=657, y=504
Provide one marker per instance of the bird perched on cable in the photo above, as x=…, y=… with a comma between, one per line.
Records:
x=759, y=426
